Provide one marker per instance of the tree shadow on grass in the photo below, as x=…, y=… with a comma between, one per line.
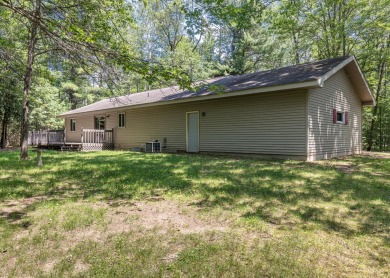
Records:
x=279, y=192
x=274, y=191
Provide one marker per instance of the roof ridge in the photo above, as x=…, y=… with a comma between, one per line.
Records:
x=231, y=75
x=293, y=74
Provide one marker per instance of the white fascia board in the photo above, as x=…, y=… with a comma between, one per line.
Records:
x=293, y=86
x=334, y=70
x=364, y=80
x=342, y=65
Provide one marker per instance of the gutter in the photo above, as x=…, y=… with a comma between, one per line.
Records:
x=293, y=86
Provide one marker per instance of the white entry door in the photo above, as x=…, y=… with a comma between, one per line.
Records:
x=193, y=132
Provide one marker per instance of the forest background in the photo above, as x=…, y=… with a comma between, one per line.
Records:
x=57, y=55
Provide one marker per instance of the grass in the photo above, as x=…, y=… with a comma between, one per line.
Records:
x=162, y=215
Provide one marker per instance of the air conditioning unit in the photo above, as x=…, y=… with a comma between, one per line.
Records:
x=152, y=147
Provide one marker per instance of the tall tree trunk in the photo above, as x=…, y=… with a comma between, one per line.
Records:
x=220, y=46
x=296, y=47
x=375, y=110
x=4, y=130
x=27, y=82
x=380, y=130
x=237, y=53
x=1, y=134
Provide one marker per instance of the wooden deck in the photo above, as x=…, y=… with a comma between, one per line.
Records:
x=91, y=140
x=97, y=140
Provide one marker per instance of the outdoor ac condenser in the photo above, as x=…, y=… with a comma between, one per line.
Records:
x=152, y=147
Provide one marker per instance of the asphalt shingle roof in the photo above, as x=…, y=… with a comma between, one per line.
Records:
x=287, y=75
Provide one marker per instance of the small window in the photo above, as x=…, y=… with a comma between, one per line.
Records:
x=72, y=124
x=340, y=117
x=121, y=119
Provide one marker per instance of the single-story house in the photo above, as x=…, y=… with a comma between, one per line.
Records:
x=308, y=111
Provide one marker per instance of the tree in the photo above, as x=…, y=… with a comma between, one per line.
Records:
x=288, y=20
x=235, y=20
x=10, y=75
x=382, y=73
x=84, y=31
x=10, y=102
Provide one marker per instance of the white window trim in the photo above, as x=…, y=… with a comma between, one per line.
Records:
x=343, y=121
x=124, y=119
x=72, y=119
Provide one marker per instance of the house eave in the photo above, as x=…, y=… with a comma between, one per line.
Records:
x=352, y=68
x=291, y=86
x=334, y=70
x=368, y=103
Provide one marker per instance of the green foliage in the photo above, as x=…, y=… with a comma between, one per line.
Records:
x=188, y=59
x=11, y=65
x=332, y=28
x=45, y=105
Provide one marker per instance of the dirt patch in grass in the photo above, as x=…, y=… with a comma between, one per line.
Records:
x=23, y=203
x=348, y=169
x=341, y=164
x=345, y=165
x=376, y=154
x=15, y=210
x=155, y=213
x=138, y=217
x=48, y=267
x=164, y=215
x=9, y=149
x=54, y=235
x=80, y=267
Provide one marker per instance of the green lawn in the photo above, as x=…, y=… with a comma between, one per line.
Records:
x=142, y=215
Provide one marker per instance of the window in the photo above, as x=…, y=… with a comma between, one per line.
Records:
x=340, y=117
x=121, y=120
x=72, y=124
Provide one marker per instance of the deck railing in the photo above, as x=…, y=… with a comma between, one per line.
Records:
x=93, y=139
x=46, y=137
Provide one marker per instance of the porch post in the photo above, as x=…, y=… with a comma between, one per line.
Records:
x=82, y=136
x=64, y=135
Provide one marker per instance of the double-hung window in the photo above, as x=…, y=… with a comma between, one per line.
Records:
x=72, y=124
x=121, y=120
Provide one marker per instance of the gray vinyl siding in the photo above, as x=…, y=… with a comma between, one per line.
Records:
x=81, y=121
x=267, y=123
x=326, y=139
x=86, y=121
